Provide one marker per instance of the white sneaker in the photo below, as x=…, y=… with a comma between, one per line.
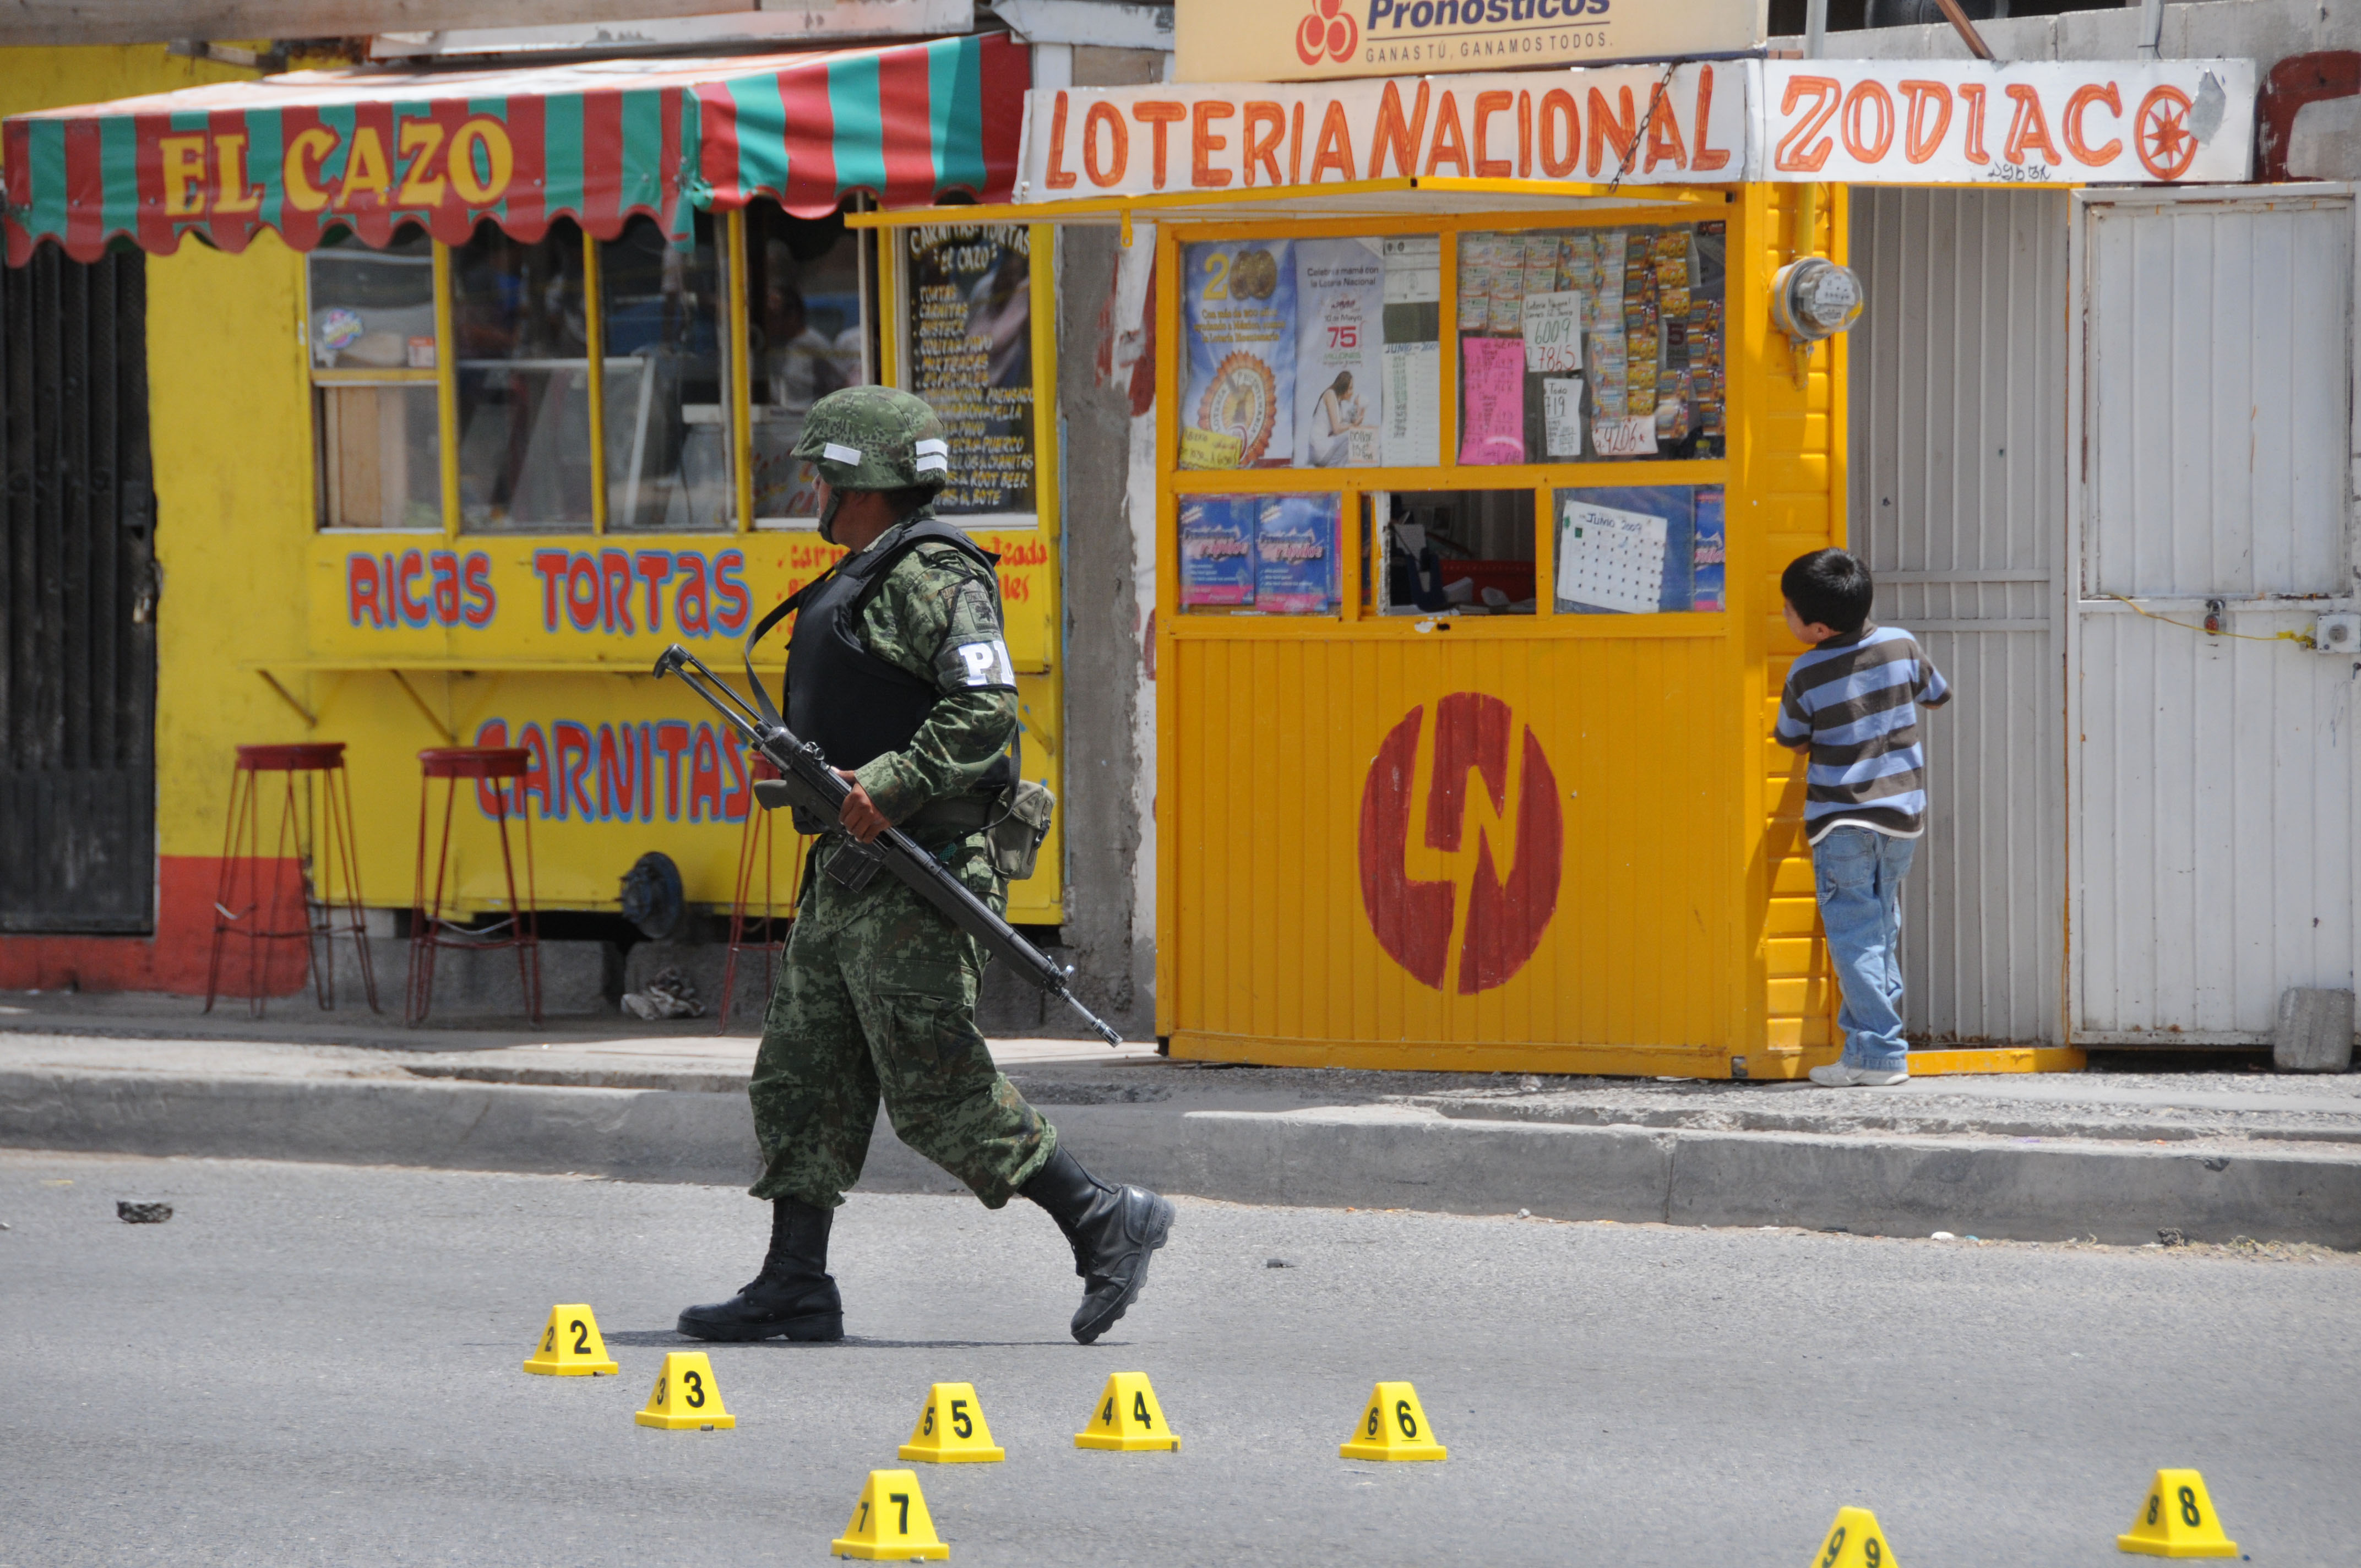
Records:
x=1842, y=1075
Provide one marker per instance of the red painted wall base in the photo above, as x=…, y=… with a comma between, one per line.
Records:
x=175, y=958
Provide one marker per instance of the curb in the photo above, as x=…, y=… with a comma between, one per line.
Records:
x=1376, y=1156
x=1404, y=1157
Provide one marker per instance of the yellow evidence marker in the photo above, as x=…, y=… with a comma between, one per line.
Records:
x=1854, y=1541
x=951, y=1429
x=570, y=1345
x=1127, y=1418
x=685, y=1396
x=2178, y=1520
x=890, y=1523
x=1394, y=1427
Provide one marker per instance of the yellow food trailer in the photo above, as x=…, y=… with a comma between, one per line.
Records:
x=1489, y=408
x=472, y=389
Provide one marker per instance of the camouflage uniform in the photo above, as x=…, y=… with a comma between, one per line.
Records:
x=898, y=657
x=878, y=988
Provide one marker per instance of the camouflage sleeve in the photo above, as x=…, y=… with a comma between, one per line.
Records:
x=939, y=619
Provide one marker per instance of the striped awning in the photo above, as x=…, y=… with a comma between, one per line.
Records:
x=371, y=150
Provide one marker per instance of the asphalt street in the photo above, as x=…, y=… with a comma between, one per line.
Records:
x=321, y=1365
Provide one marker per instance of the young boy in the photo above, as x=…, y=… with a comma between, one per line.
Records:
x=1853, y=700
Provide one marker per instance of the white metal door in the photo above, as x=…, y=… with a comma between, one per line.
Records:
x=2210, y=792
x=1957, y=497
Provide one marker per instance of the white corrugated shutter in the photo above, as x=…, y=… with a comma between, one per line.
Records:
x=1957, y=498
x=2211, y=777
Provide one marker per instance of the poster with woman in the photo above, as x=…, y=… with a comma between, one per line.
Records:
x=1340, y=288
x=1239, y=411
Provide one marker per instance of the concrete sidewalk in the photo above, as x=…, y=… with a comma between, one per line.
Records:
x=2115, y=1156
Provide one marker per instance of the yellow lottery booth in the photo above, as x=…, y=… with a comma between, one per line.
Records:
x=1488, y=409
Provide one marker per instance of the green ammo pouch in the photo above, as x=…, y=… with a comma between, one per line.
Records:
x=1020, y=821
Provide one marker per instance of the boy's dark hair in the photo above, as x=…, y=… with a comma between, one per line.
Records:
x=1831, y=587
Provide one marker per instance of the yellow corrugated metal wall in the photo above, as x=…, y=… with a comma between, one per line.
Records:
x=1792, y=468
x=1683, y=933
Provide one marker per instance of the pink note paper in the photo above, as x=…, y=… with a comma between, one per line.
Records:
x=1492, y=406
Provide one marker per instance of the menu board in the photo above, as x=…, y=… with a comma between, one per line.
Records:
x=969, y=350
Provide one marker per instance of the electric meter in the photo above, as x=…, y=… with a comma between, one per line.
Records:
x=1814, y=298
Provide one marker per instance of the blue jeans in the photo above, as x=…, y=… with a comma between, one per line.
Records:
x=1858, y=872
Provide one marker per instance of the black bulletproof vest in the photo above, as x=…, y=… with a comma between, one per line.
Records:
x=852, y=704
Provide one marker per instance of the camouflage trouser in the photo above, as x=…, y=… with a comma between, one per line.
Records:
x=877, y=992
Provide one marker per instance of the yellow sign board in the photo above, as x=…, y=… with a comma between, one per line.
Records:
x=601, y=601
x=1308, y=40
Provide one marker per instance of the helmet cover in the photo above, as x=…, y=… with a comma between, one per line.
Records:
x=875, y=438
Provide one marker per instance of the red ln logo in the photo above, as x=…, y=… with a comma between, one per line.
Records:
x=1326, y=33
x=1414, y=919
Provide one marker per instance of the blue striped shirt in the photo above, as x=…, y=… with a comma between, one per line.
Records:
x=1854, y=701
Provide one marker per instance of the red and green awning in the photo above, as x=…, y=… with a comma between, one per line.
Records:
x=369, y=151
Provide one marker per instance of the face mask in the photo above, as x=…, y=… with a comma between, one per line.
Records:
x=827, y=514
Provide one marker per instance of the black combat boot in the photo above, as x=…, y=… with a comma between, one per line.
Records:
x=1114, y=1230
x=793, y=1295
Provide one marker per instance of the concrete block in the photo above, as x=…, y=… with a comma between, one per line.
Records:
x=2315, y=1032
x=574, y=978
x=2095, y=34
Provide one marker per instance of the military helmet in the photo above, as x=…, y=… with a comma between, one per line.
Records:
x=875, y=438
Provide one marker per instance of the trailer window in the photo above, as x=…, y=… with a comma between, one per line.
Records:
x=369, y=326
x=807, y=337
x=667, y=429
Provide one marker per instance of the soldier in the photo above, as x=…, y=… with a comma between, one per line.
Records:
x=897, y=670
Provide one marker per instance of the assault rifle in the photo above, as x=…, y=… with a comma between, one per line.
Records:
x=814, y=786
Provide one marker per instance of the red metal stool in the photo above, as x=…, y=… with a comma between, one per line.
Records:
x=306, y=812
x=429, y=932
x=756, y=853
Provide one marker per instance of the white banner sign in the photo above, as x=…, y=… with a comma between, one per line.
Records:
x=1581, y=126
x=1300, y=40
x=1923, y=121
x=1846, y=122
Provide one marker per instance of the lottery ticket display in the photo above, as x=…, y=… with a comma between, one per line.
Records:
x=1637, y=310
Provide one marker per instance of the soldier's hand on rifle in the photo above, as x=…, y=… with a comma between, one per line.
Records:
x=860, y=817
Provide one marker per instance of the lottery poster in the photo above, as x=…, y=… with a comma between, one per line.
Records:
x=1710, y=553
x=1239, y=409
x=1631, y=550
x=1340, y=363
x=1217, y=554
x=1295, y=555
